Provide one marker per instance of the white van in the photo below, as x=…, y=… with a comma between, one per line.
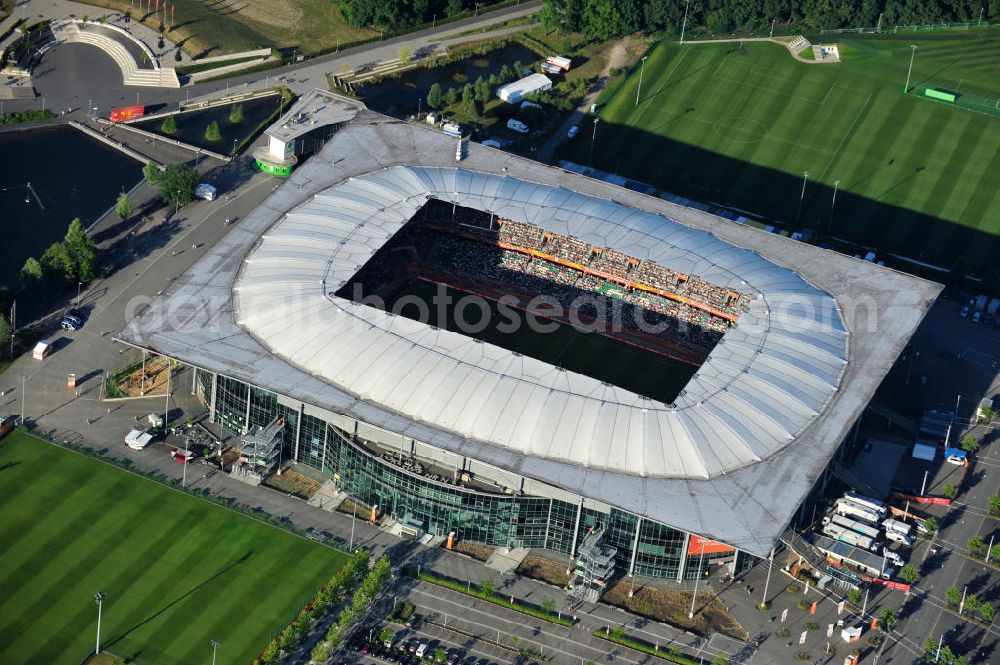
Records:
x=205, y=191
x=898, y=537
x=422, y=649
x=517, y=126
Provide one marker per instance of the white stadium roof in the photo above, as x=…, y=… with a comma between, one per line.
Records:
x=731, y=460
x=770, y=377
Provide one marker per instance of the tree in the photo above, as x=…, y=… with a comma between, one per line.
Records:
x=506, y=74
x=482, y=89
x=486, y=588
x=549, y=604
x=909, y=573
x=212, y=132
x=949, y=491
x=434, y=96
x=930, y=526
x=930, y=648
x=236, y=114
x=4, y=331
x=404, y=54
x=953, y=596
x=618, y=632
x=31, y=272
x=440, y=655
x=987, y=612
x=515, y=640
x=386, y=635
x=58, y=259
x=169, y=125
x=451, y=97
x=970, y=444
x=469, y=101
x=720, y=660
x=993, y=505
x=123, y=206
x=176, y=184
x=971, y=604
x=985, y=410
x=151, y=172
x=854, y=596
x=453, y=7
x=976, y=546
x=82, y=249
x=888, y=619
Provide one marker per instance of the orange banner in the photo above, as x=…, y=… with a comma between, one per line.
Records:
x=699, y=545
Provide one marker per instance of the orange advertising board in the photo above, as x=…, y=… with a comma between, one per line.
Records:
x=127, y=113
x=699, y=545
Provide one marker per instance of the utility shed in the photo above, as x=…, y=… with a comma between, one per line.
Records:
x=513, y=93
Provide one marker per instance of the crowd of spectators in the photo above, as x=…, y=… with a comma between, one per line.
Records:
x=472, y=252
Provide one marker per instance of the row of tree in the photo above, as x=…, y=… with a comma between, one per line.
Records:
x=613, y=18
x=394, y=14
x=473, y=95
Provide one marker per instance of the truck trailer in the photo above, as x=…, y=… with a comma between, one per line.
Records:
x=850, y=537
x=854, y=525
x=855, y=511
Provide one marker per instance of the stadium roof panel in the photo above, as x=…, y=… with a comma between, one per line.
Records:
x=730, y=460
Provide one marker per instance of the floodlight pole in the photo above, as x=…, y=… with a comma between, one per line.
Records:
x=694, y=596
x=980, y=23
x=215, y=646
x=767, y=580
x=642, y=66
x=802, y=194
x=684, y=24
x=913, y=52
x=772, y=29
x=99, y=599
x=593, y=140
x=829, y=222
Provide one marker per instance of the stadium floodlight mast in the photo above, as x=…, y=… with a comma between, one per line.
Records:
x=638, y=90
x=684, y=24
x=593, y=140
x=802, y=194
x=913, y=52
x=829, y=221
x=215, y=647
x=99, y=599
x=701, y=564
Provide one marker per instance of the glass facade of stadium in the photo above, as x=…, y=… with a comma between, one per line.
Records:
x=478, y=509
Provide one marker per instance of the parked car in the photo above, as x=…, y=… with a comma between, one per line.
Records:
x=70, y=322
x=573, y=131
x=965, y=312
x=976, y=316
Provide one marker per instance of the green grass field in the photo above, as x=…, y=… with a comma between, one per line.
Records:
x=740, y=126
x=604, y=359
x=178, y=572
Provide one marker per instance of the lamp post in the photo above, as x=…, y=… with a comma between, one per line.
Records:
x=913, y=52
x=215, y=647
x=78, y=285
x=354, y=516
x=99, y=599
x=829, y=221
x=802, y=194
x=638, y=90
x=684, y=24
x=593, y=140
x=694, y=596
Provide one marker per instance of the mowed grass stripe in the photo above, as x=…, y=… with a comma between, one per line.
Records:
x=146, y=546
x=854, y=113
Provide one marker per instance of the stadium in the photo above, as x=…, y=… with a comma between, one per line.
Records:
x=471, y=342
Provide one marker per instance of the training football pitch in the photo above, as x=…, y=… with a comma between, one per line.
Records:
x=178, y=572
x=740, y=126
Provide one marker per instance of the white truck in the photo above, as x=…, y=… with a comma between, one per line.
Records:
x=898, y=537
x=852, y=509
x=850, y=537
x=854, y=525
x=893, y=557
x=897, y=526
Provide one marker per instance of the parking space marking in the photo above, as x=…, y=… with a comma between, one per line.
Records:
x=977, y=357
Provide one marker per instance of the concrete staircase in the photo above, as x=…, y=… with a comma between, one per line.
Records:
x=132, y=74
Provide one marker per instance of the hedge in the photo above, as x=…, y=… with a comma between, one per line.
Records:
x=631, y=643
x=494, y=598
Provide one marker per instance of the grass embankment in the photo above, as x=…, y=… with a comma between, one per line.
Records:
x=741, y=125
x=178, y=572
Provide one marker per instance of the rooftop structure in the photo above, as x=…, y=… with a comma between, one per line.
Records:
x=514, y=92
x=731, y=458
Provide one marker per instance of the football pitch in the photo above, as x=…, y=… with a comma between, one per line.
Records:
x=741, y=125
x=178, y=572
x=640, y=371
